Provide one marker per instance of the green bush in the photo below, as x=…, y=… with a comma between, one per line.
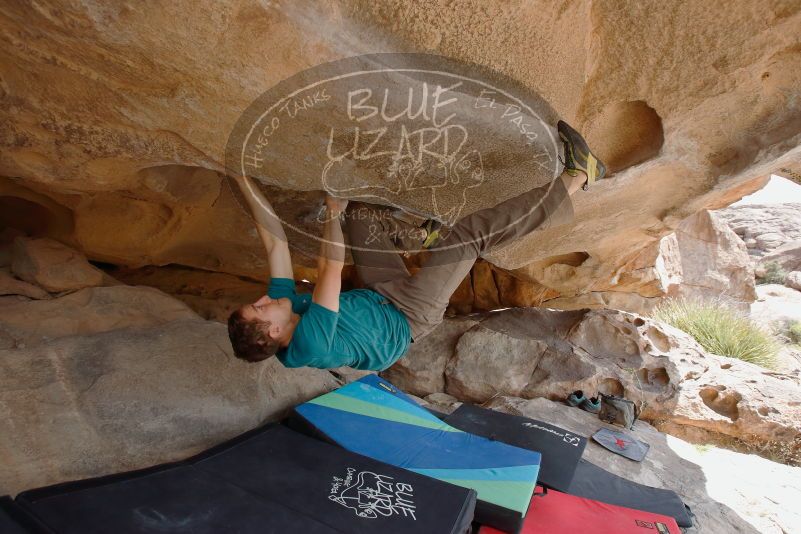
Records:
x=720, y=330
x=794, y=332
x=774, y=274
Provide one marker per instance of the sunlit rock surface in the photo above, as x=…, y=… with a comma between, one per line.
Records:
x=115, y=118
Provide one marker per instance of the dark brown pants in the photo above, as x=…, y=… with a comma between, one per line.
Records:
x=423, y=297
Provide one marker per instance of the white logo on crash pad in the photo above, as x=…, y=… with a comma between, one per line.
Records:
x=371, y=495
x=567, y=437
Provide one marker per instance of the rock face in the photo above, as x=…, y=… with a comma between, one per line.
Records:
x=786, y=256
x=793, y=280
x=550, y=353
x=89, y=311
x=489, y=363
x=110, y=379
x=211, y=295
x=424, y=372
x=705, y=259
x=9, y=285
x=702, y=259
x=52, y=266
x=113, y=131
x=772, y=234
x=764, y=228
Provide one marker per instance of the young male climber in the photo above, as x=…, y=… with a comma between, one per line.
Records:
x=372, y=328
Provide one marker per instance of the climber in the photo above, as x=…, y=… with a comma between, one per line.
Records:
x=372, y=328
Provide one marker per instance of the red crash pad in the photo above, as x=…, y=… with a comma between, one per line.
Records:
x=557, y=512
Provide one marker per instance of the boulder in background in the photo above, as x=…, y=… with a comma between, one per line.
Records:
x=53, y=266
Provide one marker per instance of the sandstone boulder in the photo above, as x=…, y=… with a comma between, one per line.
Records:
x=710, y=260
x=615, y=300
x=793, y=280
x=7, y=237
x=688, y=391
x=786, y=256
x=487, y=363
x=441, y=402
x=729, y=398
x=212, y=295
x=703, y=259
x=90, y=311
x=769, y=240
x=346, y=375
x=53, y=266
x=422, y=371
x=9, y=285
x=766, y=227
x=123, y=396
x=516, y=293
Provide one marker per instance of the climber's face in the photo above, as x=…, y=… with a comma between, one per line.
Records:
x=277, y=312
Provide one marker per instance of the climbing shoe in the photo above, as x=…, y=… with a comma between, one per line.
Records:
x=592, y=405
x=576, y=398
x=578, y=156
x=432, y=228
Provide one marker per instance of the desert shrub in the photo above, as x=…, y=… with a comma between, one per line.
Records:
x=774, y=274
x=794, y=332
x=720, y=329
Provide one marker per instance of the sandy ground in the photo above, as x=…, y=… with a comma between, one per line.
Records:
x=777, y=305
x=764, y=493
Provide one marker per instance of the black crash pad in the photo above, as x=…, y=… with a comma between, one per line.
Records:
x=14, y=520
x=561, y=450
x=270, y=480
x=593, y=482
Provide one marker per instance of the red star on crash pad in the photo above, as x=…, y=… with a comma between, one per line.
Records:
x=620, y=443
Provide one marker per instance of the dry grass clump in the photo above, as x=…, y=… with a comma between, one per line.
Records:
x=720, y=330
x=794, y=332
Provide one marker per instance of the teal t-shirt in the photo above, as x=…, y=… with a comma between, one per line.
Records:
x=368, y=332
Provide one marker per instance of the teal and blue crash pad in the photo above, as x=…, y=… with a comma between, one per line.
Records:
x=372, y=417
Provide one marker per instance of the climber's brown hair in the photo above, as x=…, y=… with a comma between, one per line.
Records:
x=250, y=339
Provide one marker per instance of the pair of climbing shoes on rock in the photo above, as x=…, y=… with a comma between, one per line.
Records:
x=588, y=404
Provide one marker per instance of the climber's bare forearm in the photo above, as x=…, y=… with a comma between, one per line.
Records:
x=269, y=228
x=330, y=263
x=278, y=256
x=332, y=248
x=263, y=213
